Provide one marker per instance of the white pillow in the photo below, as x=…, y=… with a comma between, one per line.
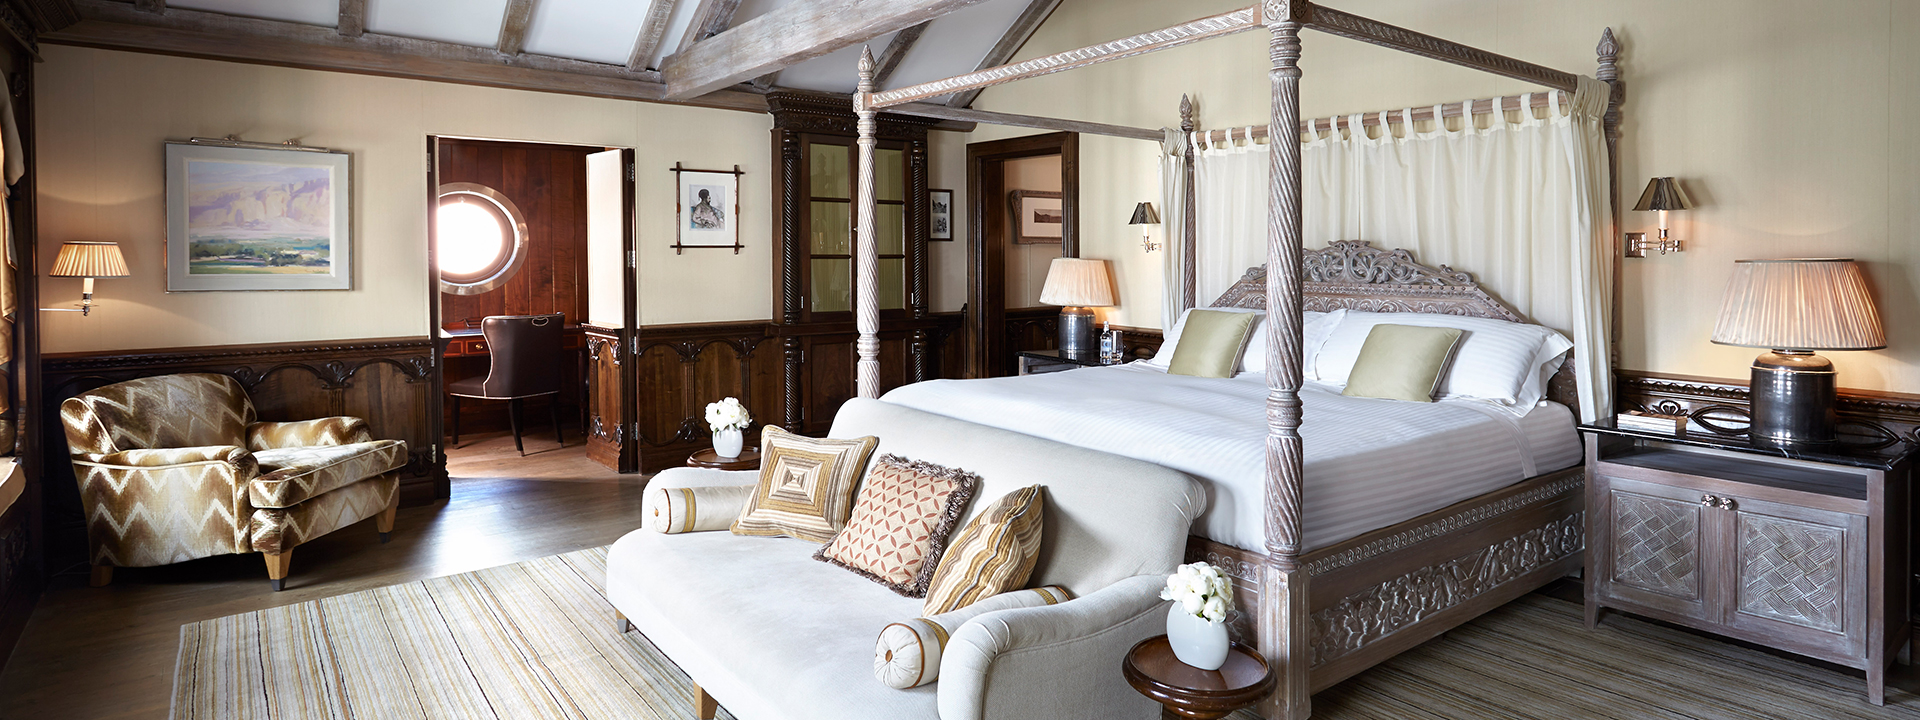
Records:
x=1496, y=360
x=1253, y=357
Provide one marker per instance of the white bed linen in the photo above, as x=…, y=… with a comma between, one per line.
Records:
x=1370, y=463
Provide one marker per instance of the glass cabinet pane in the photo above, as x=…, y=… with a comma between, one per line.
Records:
x=893, y=284
x=832, y=171
x=890, y=225
x=832, y=231
x=832, y=285
x=889, y=174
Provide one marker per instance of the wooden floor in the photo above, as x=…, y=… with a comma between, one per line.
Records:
x=110, y=652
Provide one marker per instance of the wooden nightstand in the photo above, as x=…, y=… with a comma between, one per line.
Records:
x=1188, y=691
x=1800, y=549
x=749, y=460
x=1034, y=362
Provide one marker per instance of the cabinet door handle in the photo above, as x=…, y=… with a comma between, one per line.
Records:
x=1727, y=504
x=1709, y=501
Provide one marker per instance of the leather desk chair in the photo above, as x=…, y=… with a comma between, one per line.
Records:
x=525, y=355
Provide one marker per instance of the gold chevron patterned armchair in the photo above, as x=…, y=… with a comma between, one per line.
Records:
x=175, y=467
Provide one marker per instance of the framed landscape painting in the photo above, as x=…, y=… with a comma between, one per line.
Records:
x=241, y=218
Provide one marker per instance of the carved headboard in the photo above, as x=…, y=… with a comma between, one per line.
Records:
x=1355, y=275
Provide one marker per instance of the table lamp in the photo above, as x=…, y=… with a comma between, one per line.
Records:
x=1077, y=286
x=1796, y=307
x=89, y=260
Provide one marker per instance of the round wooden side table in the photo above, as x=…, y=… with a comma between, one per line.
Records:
x=749, y=460
x=1188, y=691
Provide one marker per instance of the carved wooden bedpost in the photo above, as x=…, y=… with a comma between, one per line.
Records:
x=1609, y=72
x=1285, y=630
x=866, y=252
x=1189, y=238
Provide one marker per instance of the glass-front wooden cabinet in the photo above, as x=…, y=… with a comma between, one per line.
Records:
x=815, y=142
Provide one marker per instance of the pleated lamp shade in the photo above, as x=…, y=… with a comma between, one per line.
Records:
x=1076, y=282
x=89, y=259
x=1810, y=304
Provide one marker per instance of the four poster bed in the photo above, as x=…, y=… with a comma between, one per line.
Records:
x=1324, y=608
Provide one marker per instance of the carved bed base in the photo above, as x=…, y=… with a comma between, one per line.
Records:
x=1376, y=595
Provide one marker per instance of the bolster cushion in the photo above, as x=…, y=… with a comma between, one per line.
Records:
x=908, y=653
x=671, y=510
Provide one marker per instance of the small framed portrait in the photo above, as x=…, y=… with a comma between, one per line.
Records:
x=709, y=209
x=1037, y=217
x=939, y=214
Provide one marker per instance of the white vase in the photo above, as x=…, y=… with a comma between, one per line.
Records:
x=726, y=443
x=1195, y=640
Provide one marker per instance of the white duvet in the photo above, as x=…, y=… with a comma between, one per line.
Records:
x=1369, y=463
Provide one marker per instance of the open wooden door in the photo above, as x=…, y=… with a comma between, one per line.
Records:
x=612, y=299
x=437, y=381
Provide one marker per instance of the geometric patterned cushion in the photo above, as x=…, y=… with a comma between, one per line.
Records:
x=995, y=553
x=290, y=475
x=806, y=485
x=900, y=523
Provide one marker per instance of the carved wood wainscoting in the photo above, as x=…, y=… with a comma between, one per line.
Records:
x=610, y=421
x=682, y=368
x=384, y=381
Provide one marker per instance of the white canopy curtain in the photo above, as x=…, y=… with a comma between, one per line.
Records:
x=1173, y=203
x=1522, y=205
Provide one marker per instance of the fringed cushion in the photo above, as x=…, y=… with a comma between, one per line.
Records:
x=908, y=653
x=995, y=553
x=806, y=485
x=901, y=522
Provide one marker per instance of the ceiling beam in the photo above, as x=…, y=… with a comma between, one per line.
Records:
x=896, y=50
x=1002, y=52
x=792, y=33
x=934, y=110
x=658, y=15
x=119, y=26
x=353, y=18
x=513, y=28
x=710, y=19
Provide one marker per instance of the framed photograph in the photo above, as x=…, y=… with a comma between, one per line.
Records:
x=1037, y=217
x=244, y=218
x=709, y=209
x=939, y=214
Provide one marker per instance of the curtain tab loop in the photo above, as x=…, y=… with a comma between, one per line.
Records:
x=1440, y=116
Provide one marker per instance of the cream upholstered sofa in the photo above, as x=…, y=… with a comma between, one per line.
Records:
x=771, y=633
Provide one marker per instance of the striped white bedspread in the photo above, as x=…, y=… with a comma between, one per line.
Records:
x=1369, y=463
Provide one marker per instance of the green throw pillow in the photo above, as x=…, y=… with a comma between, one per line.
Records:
x=1210, y=344
x=1402, y=362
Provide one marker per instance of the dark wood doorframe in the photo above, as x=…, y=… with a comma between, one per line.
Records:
x=988, y=231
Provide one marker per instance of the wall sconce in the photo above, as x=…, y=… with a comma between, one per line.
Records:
x=1662, y=194
x=1143, y=214
x=89, y=260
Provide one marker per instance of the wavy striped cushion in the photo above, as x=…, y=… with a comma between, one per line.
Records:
x=806, y=485
x=908, y=653
x=995, y=553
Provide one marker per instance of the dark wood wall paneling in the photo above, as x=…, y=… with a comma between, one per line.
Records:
x=548, y=184
x=384, y=381
x=23, y=565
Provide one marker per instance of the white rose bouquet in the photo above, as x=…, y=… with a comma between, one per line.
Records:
x=1201, y=590
x=728, y=414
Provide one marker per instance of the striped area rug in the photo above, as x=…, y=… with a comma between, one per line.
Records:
x=529, y=640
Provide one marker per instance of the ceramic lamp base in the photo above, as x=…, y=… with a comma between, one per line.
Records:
x=1076, y=331
x=1793, y=396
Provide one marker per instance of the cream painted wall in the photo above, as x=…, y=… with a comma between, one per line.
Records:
x=103, y=116
x=1027, y=264
x=947, y=261
x=1778, y=120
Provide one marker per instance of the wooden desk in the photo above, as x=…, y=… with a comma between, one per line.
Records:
x=466, y=352
x=468, y=342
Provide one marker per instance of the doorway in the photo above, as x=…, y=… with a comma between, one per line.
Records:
x=1008, y=260
x=510, y=235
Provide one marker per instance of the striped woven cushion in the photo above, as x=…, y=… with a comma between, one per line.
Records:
x=995, y=553
x=806, y=485
x=900, y=524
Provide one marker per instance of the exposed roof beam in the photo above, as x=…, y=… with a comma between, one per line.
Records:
x=1017, y=35
x=119, y=26
x=651, y=31
x=790, y=34
x=353, y=17
x=513, y=29
x=934, y=110
x=896, y=50
x=710, y=19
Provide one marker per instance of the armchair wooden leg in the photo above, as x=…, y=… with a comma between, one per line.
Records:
x=277, y=568
x=704, y=706
x=101, y=575
x=384, y=520
x=620, y=622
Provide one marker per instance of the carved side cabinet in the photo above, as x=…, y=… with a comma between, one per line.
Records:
x=1801, y=549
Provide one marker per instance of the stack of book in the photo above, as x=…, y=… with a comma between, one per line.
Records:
x=1650, y=422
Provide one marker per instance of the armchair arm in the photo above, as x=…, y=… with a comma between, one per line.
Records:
x=308, y=433
x=1053, y=660
x=162, y=457
x=167, y=493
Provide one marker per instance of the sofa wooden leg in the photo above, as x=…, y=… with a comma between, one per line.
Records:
x=704, y=706
x=277, y=567
x=384, y=521
x=620, y=622
x=101, y=575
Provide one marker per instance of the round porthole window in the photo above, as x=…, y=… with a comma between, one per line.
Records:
x=481, y=238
